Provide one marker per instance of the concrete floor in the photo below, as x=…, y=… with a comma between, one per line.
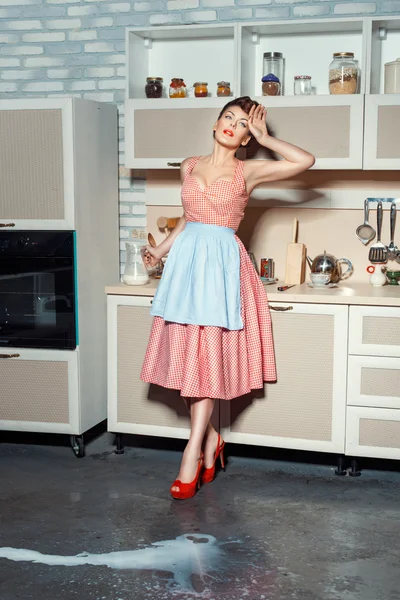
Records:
x=263, y=530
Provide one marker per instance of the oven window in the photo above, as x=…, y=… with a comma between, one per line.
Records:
x=37, y=298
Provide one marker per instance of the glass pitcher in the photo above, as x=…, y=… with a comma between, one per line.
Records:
x=135, y=272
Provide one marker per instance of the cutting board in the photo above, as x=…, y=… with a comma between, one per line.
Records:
x=295, y=270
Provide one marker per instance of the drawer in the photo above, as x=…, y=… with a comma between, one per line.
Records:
x=374, y=330
x=373, y=381
x=373, y=432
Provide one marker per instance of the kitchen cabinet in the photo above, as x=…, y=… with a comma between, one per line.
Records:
x=59, y=165
x=133, y=405
x=305, y=408
x=43, y=186
x=160, y=133
x=373, y=392
x=39, y=390
x=382, y=131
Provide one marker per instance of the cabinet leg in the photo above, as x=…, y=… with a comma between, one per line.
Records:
x=354, y=468
x=341, y=466
x=120, y=443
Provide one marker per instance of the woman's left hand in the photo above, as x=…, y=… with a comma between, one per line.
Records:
x=257, y=121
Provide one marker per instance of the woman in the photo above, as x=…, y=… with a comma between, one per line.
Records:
x=211, y=335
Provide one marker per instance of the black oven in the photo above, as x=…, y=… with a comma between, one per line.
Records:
x=37, y=289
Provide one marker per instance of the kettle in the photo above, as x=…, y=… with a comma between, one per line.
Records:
x=325, y=269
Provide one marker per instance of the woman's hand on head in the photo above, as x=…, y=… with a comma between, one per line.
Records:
x=151, y=256
x=257, y=121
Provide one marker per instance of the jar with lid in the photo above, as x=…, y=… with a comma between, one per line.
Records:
x=177, y=88
x=273, y=63
x=200, y=89
x=392, y=77
x=270, y=85
x=302, y=85
x=223, y=89
x=343, y=74
x=154, y=87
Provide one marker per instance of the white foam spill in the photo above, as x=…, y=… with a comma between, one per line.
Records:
x=187, y=555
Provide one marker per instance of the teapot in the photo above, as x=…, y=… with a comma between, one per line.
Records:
x=325, y=269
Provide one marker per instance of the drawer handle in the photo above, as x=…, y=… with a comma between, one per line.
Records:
x=10, y=355
x=172, y=164
x=7, y=224
x=281, y=308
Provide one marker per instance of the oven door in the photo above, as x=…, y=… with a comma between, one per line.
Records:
x=37, y=290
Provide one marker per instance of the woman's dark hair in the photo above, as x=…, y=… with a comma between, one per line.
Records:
x=245, y=103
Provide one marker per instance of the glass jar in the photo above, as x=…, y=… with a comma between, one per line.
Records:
x=154, y=87
x=392, y=77
x=223, y=89
x=200, y=89
x=302, y=85
x=273, y=63
x=135, y=272
x=177, y=88
x=343, y=74
x=270, y=85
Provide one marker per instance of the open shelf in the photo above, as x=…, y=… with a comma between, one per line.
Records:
x=385, y=47
x=194, y=53
x=307, y=48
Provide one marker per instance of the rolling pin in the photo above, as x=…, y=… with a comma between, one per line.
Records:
x=295, y=271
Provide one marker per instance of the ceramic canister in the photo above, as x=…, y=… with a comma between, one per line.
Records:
x=392, y=77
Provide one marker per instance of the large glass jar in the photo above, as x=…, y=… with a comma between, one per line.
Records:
x=154, y=87
x=273, y=63
x=177, y=88
x=135, y=272
x=343, y=74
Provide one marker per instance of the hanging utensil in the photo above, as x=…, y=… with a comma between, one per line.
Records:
x=365, y=232
x=392, y=249
x=378, y=252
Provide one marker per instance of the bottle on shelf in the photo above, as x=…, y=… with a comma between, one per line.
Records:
x=343, y=74
x=273, y=63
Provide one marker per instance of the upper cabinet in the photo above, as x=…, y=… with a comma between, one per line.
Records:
x=161, y=132
x=44, y=182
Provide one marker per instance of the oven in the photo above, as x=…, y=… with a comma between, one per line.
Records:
x=38, y=289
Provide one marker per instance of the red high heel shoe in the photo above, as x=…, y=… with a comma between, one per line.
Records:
x=188, y=490
x=209, y=474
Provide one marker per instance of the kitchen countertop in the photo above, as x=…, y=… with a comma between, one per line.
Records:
x=345, y=293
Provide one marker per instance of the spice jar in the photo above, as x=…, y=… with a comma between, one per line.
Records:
x=154, y=87
x=302, y=85
x=223, y=89
x=177, y=88
x=343, y=74
x=270, y=85
x=200, y=89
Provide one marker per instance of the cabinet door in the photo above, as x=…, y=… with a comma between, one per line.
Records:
x=36, y=184
x=374, y=330
x=373, y=381
x=39, y=391
x=382, y=131
x=373, y=432
x=330, y=127
x=305, y=409
x=161, y=133
x=133, y=405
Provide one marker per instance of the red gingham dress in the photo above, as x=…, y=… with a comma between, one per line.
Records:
x=207, y=361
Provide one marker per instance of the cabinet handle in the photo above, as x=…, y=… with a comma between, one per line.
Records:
x=281, y=308
x=7, y=224
x=10, y=355
x=170, y=164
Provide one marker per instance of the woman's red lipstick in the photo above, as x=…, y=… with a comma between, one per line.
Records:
x=228, y=132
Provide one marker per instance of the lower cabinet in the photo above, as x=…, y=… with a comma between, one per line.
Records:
x=133, y=405
x=373, y=432
x=305, y=408
x=39, y=391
